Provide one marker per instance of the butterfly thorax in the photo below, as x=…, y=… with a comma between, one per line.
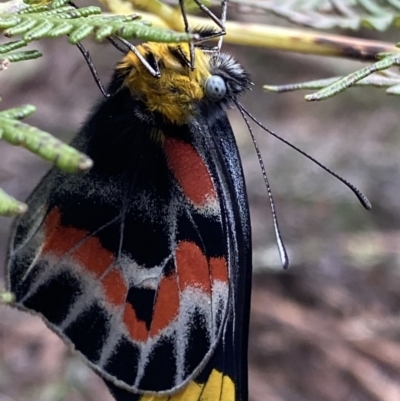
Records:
x=175, y=92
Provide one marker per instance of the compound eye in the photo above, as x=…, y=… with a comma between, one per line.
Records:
x=215, y=88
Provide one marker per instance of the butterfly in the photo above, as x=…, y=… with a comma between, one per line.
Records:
x=143, y=264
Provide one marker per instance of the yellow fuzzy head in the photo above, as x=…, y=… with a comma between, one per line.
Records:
x=174, y=94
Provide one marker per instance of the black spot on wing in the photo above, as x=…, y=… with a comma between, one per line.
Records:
x=146, y=237
x=211, y=234
x=198, y=342
x=225, y=360
x=160, y=370
x=89, y=331
x=142, y=301
x=88, y=214
x=55, y=297
x=169, y=268
x=123, y=361
x=146, y=220
x=205, y=231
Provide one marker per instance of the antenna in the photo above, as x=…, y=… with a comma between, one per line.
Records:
x=220, y=22
x=281, y=246
x=360, y=196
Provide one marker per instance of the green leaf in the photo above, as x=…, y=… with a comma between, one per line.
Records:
x=82, y=12
x=9, y=21
x=23, y=55
x=10, y=46
x=50, y=12
x=147, y=33
x=102, y=32
x=62, y=29
x=18, y=113
x=7, y=297
x=20, y=28
x=58, y=3
x=9, y=206
x=33, y=9
x=316, y=84
x=39, y=31
x=39, y=142
x=377, y=75
x=80, y=33
x=36, y=23
x=350, y=79
x=45, y=146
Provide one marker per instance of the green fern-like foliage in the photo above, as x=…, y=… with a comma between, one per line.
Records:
x=345, y=14
x=328, y=14
x=6, y=298
x=14, y=131
x=37, y=22
x=9, y=56
x=10, y=206
x=39, y=142
x=378, y=74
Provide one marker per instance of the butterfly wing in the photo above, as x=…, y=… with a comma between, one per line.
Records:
x=224, y=376
x=142, y=264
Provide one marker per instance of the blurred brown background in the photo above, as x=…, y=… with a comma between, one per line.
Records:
x=325, y=330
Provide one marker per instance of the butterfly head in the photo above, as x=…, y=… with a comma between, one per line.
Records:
x=180, y=91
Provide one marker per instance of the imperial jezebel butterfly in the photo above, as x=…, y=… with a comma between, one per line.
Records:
x=143, y=264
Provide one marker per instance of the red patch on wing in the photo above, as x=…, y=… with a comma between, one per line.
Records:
x=192, y=267
x=93, y=257
x=190, y=171
x=219, y=269
x=167, y=304
x=61, y=240
x=115, y=287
